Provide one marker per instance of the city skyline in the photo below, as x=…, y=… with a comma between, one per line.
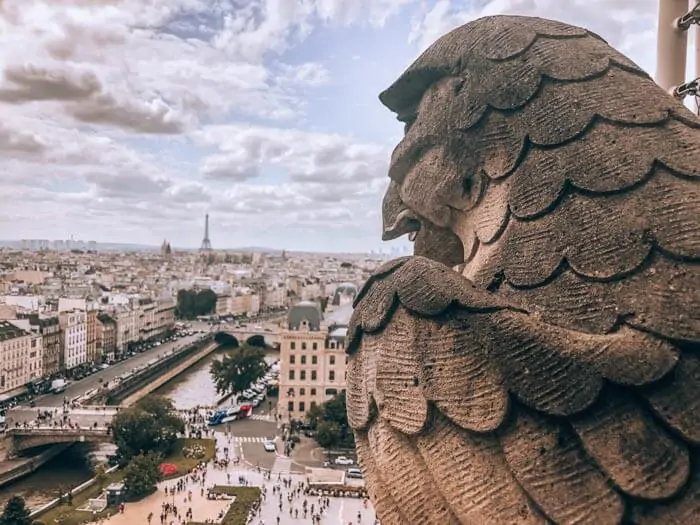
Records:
x=126, y=122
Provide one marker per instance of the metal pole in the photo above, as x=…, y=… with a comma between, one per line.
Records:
x=671, y=45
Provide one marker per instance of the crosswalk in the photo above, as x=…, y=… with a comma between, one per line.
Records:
x=261, y=417
x=250, y=439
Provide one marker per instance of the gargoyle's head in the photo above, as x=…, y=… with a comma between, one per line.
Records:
x=440, y=187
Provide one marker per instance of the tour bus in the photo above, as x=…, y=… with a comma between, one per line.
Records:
x=233, y=413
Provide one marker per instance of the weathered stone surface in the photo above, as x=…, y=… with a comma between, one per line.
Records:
x=557, y=379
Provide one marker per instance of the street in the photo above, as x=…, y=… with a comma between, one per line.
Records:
x=77, y=388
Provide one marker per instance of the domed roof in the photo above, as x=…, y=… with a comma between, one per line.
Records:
x=308, y=311
x=347, y=290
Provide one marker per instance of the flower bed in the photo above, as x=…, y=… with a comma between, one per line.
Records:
x=195, y=451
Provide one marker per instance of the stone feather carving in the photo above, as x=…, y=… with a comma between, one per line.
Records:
x=556, y=377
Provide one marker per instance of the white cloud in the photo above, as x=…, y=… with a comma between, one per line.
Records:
x=307, y=157
x=626, y=24
x=130, y=119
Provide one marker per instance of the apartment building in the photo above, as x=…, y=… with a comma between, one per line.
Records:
x=74, y=336
x=164, y=315
x=127, y=320
x=223, y=304
x=147, y=321
x=106, y=336
x=15, y=347
x=312, y=358
x=244, y=303
x=51, y=345
x=92, y=356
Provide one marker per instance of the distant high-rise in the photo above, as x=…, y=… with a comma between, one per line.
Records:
x=206, y=243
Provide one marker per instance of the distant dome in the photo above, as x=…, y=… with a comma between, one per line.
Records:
x=345, y=293
x=304, y=311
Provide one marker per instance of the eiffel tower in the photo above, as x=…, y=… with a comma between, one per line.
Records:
x=206, y=243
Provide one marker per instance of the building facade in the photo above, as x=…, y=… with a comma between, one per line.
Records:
x=50, y=330
x=312, y=358
x=15, y=347
x=106, y=337
x=92, y=355
x=74, y=335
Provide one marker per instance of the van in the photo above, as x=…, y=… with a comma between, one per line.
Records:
x=354, y=473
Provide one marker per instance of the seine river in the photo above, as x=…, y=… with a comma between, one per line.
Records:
x=70, y=469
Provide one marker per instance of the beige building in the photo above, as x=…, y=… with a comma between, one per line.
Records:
x=223, y=304
x=15, y=350
x=312, y=358
x=106, y=337
x=92, y=355
x=74, y=335
x=49, y=328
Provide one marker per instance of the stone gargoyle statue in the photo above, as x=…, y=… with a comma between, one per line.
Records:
x=538, y=359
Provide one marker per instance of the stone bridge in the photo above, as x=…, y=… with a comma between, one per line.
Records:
x=271, y=335
x=27, y=430
x=27, y=438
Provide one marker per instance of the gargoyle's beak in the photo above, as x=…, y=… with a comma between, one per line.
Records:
x=397, y=218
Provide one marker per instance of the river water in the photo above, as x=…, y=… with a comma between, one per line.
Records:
x=70, y=469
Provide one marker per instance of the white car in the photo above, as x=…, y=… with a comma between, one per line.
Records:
x=342, y=460
x=269, y=446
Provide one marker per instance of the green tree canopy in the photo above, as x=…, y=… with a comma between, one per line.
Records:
x=238, y=369
x=150, y=426
x=142, y=474
x=327, y=434
x=15, y=512
x=332, y=416
x=192, y=303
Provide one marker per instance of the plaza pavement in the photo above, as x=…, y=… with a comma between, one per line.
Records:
x=341, y=511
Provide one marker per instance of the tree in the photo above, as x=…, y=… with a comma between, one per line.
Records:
x=141, y=475
x=237, y=370
x=315, y=415
x=15, y=512
x=100, y=475
x=150, y=426
x=327, y=434
x=334, y=413
x=192, y=303
x=335, y=410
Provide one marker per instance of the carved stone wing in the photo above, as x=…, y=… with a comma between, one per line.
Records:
x=467, y=410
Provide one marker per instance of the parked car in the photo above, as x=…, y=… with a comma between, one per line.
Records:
x=342, y=460
x=354, y=473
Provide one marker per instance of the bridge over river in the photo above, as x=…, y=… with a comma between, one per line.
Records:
x=83, y=424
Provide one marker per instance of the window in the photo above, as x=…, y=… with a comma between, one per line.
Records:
x=292, y=345
x=332, y=360
x=303, y=346
x=331, y=392
x=313, y=404
x=302, y=375
x=291, y=359
x=331, y=375
x=303, y=360
x=314, y=360
x=290, y=392
x=290, y=406
x=302, y=391
x=302, y=406
x=291, y=375
x=314, y=346
x=313, y=375
x=313, y=391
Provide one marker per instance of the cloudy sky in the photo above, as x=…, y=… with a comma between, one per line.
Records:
x=128, y=120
